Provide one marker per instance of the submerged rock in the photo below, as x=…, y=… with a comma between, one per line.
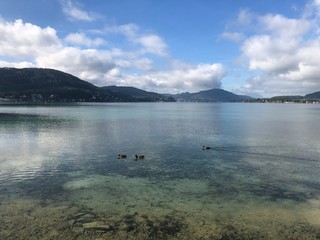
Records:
x=96, y=226
x=86, y=218
x=77, y=229
x=88, y=221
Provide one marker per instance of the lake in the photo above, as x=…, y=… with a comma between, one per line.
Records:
x=60, y=176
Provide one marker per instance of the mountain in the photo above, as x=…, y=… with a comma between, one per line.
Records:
x=38, y=84
x=289, y=98
x=138, y=95
x=313, y=96
x=213, y=95
x=295, y=98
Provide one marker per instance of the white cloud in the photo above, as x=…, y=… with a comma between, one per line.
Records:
x=308, y=71
x=41, y=47
x=139, y=63
x=269, y=54
x=130, y=30
x=178, y=79
x=233, y=36
x=21, y=40
x=150, y=43
x=23, y=64
x=153, y=44
x=74, y=13
x=82, y=40
x=312, y=9
x=28, y=45
x=283, y=54
x=83, y=63
x=281, y=26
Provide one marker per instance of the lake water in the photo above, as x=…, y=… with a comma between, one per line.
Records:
x=60, y=177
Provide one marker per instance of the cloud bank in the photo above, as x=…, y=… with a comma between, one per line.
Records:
x=283, y=53
x=186, y=78
x=87, y=57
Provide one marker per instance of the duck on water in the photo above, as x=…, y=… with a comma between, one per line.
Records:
x=122, y=156
x=139, y=157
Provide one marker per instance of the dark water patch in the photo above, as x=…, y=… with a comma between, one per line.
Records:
x=33, y=123
x=308, y=184
x=20, y=117
x=267, y=192
x=276, y=193
x=239, y=150
x=43, y=182
x=17, y=116
x=223, y=178
x=41, y=187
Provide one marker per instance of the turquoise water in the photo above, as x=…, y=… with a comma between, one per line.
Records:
x=60, y=177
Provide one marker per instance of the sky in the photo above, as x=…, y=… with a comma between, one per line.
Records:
x=259, y=48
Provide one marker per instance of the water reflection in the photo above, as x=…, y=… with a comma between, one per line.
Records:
x=258, y=171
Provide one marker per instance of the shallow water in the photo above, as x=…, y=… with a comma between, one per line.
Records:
x=60, y=177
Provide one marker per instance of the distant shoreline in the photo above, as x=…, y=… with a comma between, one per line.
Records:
x=13, y=102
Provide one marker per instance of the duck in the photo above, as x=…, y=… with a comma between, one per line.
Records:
x=205, y=148
x=122, y=156
x=139, y=157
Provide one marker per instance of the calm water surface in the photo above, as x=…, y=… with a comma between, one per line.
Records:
x=60, y=177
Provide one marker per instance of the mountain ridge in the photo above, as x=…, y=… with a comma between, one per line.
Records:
x=139, y=95
x=314, y=95
x=48, y=84
x=42, y=84
x=211, y=95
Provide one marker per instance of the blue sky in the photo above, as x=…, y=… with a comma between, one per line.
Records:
x=260, y=48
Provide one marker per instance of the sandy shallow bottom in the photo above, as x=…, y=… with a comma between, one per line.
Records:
x=119, y=207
